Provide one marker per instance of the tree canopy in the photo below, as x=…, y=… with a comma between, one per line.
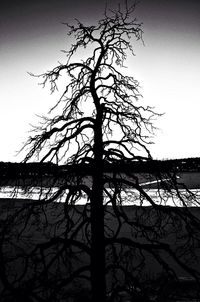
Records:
x=97, y=91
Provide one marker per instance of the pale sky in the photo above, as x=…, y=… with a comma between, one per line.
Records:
x=168, y=67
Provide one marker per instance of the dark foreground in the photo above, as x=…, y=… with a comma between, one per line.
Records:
x=34, y=261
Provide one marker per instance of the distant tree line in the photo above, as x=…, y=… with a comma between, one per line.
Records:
x=9, y=170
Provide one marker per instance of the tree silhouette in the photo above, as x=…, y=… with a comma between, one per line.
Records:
x=112, y=127
x=99, y=132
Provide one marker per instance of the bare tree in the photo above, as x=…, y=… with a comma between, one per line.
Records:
x=99, y=132
x=99, y=117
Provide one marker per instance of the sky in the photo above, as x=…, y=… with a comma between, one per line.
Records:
x=167, y=67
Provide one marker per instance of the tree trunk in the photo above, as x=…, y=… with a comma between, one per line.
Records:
x=97, y=220
x=97, y=245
